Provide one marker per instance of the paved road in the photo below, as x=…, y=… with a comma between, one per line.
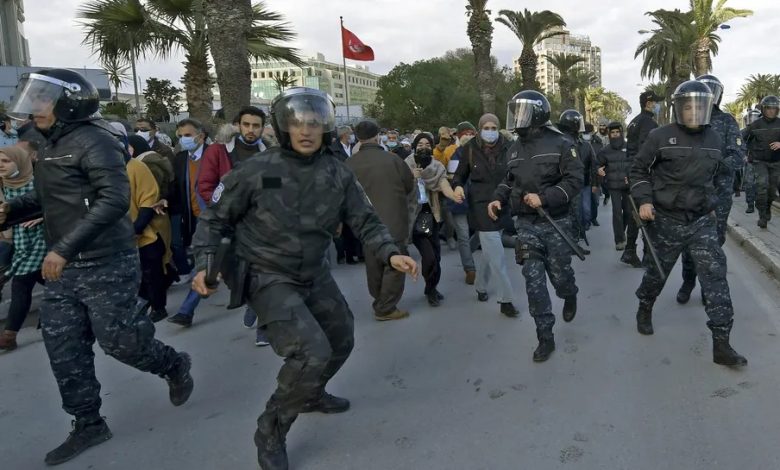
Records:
x=448, y=388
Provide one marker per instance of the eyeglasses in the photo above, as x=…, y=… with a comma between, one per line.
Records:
x=138, y=129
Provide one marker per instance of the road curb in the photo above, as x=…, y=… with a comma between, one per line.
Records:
x=755, y=247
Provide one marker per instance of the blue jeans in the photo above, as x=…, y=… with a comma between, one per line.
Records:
x=493, y=260
x=461, y=224
x=190, y=304
x=586, y=198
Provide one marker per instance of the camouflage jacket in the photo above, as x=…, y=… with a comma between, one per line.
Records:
x=284, y=210
x=733, y=149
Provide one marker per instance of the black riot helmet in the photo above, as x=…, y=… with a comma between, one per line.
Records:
x=752, y=116
x=715, y=86
x=299, y=106
x=527, y=109
x=571, y=122
x=692, y=103
x=70, y=96
x=767, y=103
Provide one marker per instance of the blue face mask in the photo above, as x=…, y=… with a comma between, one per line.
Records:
x=188, y=143
x=489, y=136
x=392, y=144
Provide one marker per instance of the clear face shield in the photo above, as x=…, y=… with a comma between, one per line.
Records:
x=305, y=114
x=715, y=87
x=37, y=94
x=693, y=110
x=520, y=113
x=751, y=117
x=582, y=126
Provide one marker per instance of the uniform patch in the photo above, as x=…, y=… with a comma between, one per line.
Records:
x=573, y=153
x=739, y=141
x=217, y=193
x=672, y=140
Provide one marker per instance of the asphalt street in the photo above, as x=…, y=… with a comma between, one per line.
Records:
x=452, y=387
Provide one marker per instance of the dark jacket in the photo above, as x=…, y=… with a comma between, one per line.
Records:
x=675, y=171
x=587, y=156
x=338, y=150
x=285, y=210
x=402, y=152
x=638, y=130
x=617, y=165
x=162, y=149
x=482, y=178
x=759, y=135
x=388, y=182
x=179, y=202
x=81, y=185
x=546, y=164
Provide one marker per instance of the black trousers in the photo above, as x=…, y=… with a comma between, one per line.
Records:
x=385, y=284
x=154, y=282
x=429, y=247
x=623, y=224
x=21, y=299
x=347, y=245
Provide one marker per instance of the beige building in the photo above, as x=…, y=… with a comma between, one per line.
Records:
x=317, y=73
x=14, y=49
x=547, y=75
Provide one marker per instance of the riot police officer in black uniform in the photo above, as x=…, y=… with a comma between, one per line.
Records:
x=672, y=180
x=284, y=207
x=544, y=171
x=572, y=124
x=763, y=140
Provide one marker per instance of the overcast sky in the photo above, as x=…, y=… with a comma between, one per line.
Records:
x=410, y=30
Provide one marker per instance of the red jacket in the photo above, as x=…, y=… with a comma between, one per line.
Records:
x=216, y=164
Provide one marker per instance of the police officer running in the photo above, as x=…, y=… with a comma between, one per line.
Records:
x=92, y=270
x=544, y=172
x=763, y=140
x=672, y=180
x=285, y=206
x=726, y=127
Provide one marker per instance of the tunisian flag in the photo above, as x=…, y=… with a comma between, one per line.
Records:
x=353, y=47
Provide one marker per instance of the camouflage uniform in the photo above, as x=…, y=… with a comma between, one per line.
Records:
x=285, y=210
x=95, y=299
x=675, y=171
x=749, y=184
x=766, y=162
x=733, y=150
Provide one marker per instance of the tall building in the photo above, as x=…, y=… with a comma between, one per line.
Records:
x=316, y=73
x=546, y=73
x=13, y=45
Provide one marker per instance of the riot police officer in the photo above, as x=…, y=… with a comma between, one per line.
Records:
x=726, y=127
x=92, y=268
x=672, y=180
x=572, y=124
x=749, y=175
x=285, y=206
x=763, y=140
x=543, y=172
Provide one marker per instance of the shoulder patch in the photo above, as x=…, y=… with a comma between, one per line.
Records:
x=739, y=141
x=217, y=193
x=672, y=140
x=573, y=153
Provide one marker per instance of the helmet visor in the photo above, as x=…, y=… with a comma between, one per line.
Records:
x=752, y=117
x=520, y=113
x=311, y=113
x=715, y=87
x=693, y=109
x=36, y=94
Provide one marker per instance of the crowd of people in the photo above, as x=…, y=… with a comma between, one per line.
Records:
x=109, y=217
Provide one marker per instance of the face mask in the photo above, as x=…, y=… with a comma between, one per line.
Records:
x=489, y=136
x=144, y=135
x=657, y=108
x=351, y=138
x=383, y=139
x=392, y=144
x=616, y=144
x=188, y=143
x=423, y=157
x=586, y=137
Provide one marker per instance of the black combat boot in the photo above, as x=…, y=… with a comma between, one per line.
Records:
x=722, y=352
x=684, y=294
x=546, y=345
x=750, y=209
x=180, y=383
x=762, y=221
x=87, y=432
x=270, y=442
x=644, y=318
x=569, y=308
x=509, y=310
x=327, y=403
x=630, y=257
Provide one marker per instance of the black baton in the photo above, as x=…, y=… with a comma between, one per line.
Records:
x=562, y=233
x=214, y=263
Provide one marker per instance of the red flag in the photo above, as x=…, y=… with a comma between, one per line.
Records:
x=353, y=47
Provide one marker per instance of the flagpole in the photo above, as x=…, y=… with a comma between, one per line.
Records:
x=344, y=58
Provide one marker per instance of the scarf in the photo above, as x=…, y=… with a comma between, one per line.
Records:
x=431, y=174
x=24, y=167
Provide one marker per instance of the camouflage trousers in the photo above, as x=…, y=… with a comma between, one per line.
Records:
x=699, y=238
x=749, y=184
x=549, y=256
x=767, y=181
x=313, y=330
x=95, y=299
x=722, y=211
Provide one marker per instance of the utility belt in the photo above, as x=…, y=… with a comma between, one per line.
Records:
x=524, y=252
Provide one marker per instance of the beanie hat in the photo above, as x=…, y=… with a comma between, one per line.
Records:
x=489, y=117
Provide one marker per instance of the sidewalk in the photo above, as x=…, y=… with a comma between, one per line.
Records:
x=762, y=244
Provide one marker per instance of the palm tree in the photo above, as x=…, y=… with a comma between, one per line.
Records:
x=735, y=109
x=579, y=81
x=480, y=32
x=117, y=72
x=531, y=28
x=127, y=28
x=282, y=82
x=600, y=103
x=564, y=63
x=757, y=87
x=707, y=18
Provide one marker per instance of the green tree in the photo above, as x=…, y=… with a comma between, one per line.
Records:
x=531, y=28
x=757, y=87
x=283, y=82
x=130, y=28
x=159, y=95
x=564, y=63
x=600, y=103
x=480, y=32
x=117, y=71
x=116, y=110
x=579, y=81
x=734, y=108
x=706, y=20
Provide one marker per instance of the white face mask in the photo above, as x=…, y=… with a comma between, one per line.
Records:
x=586, y=137
x=146, y=135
